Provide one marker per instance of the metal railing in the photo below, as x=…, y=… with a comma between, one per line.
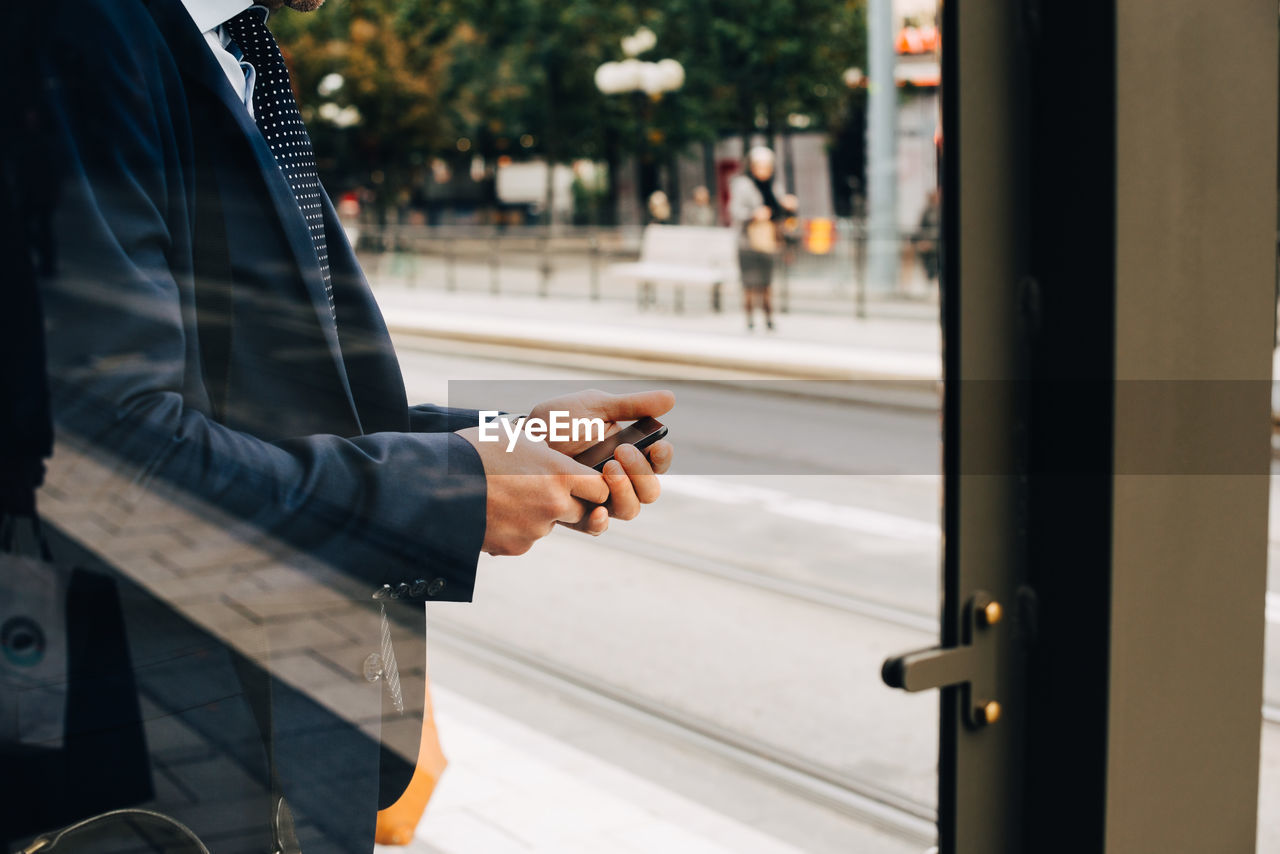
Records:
x=572, y=262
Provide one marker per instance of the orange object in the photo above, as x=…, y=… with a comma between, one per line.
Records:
x=821, y=236
x=917, y=40
x=398, y=822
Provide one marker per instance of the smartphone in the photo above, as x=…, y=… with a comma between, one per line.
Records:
x=642, y=434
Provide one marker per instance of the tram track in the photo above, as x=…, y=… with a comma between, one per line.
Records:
x=739, y=573
x=860, y=797
x=850, y=794
x=857, y=796
x=853, y=795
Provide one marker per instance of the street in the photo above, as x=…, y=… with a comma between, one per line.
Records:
x=754, y=603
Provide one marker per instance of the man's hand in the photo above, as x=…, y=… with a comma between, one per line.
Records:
x=532, y=488
x=630, y=475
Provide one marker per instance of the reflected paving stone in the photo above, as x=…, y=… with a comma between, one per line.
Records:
x=298, y=601
x=162, y=545
x=232, y=626
x=181, y=590
x=169, y=739
x=296, y=634
x=203, y=555
x=215, y=778
x=350, y=660
x=356, y=702
x=85, y=521
x=311, y=669
x=152, y=573
x=277, y=607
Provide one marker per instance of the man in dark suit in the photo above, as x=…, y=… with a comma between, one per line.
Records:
x=209, y=325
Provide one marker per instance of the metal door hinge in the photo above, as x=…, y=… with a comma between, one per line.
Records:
x=972, y=666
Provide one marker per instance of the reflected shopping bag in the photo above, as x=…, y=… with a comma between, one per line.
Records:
x=397, y=823
x=762, y=236
x=33, y=642
x=68, y=704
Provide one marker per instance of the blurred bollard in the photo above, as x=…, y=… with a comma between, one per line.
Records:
x=593, y=249
x=495, y=250
x=450, y=265
x=409, y=246
x=860, y=269
x=544, y=263
x=784, y=296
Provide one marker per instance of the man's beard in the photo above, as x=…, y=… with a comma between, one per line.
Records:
x=296, y=5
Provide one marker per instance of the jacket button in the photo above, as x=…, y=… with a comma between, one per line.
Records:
x=434, y=588
x=383, y=592
x=402, y=590
x=419, y=587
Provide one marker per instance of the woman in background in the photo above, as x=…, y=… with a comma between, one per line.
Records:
x=755, y=210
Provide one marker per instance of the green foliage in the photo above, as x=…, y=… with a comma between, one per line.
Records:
x=394, y=75
x=455, y=78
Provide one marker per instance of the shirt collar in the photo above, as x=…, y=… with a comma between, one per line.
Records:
x=208, y=14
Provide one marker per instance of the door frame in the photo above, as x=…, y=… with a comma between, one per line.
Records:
x=1109, y=197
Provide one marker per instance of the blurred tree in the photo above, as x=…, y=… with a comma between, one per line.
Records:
x=377, y=128
x=773, y=58
x=522, y=82
x=457, y=79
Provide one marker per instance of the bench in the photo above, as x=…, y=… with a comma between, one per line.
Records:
x=683, y=255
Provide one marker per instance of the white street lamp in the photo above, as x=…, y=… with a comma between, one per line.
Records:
x=348, y=117
x=637, y=76
x=642, y=40
x=341, y=117
x=330, y=84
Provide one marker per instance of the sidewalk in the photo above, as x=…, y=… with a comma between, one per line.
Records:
x=510, y=789
x=803, y=347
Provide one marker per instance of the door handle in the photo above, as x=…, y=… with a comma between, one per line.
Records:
x=971, y=666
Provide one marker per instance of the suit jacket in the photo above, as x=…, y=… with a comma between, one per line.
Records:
x=303, y=427
x=190, y=341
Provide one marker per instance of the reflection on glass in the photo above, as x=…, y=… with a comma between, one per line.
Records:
x=256, y=267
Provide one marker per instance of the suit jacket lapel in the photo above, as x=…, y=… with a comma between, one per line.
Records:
x=192, y=55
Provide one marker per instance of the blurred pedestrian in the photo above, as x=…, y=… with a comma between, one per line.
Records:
x=925, y=239
x=659, y=208
x=757, y=210
x=698, y=210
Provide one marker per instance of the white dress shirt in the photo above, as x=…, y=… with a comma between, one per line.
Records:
x=208, y=16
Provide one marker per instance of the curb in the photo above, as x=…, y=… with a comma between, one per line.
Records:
x=766, y=365
x=834, y=384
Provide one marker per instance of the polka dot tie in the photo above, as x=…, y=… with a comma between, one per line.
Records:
x=276, y=112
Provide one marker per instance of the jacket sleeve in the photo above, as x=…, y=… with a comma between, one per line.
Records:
x=428, y=418
x=386, y=507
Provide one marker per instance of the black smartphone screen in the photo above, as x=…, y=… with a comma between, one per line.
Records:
x=642, y=434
